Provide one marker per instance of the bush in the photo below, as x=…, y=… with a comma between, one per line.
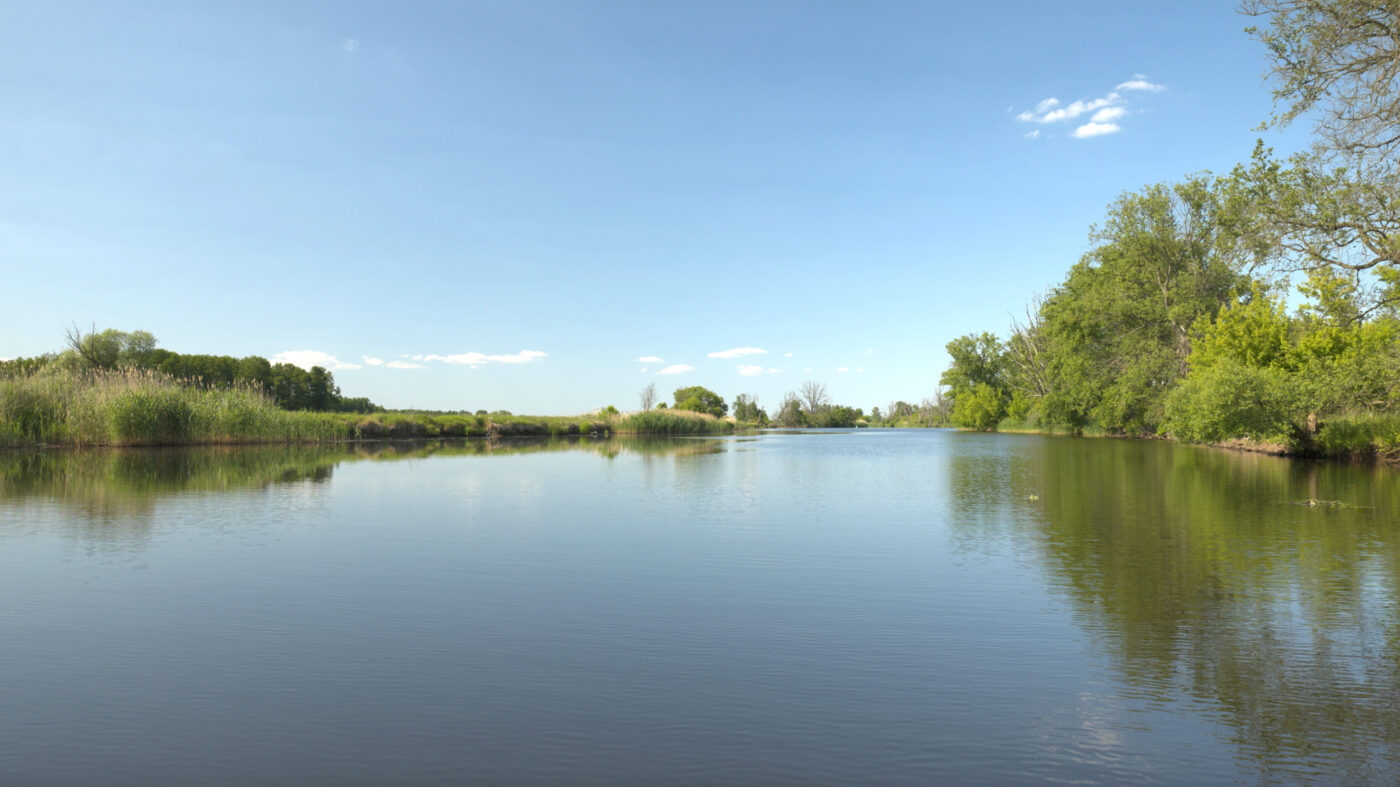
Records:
x=1230, y=400
x=980, y=408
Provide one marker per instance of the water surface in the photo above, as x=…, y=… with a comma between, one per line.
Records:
x=876, y=606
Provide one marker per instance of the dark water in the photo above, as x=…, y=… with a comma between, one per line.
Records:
x=872, y=607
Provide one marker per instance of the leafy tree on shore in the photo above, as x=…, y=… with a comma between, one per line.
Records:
x=701, y=400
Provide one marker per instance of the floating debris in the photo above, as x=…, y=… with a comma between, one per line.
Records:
x=1313, y=502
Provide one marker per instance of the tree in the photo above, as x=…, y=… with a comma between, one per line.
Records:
x=110, y=348
x=747, y=411
x=813, y=397
x=1340, y=58
x=1338, y=62
x=701, y=400
x=979, y=408
x=977, y=360
x=790, y=412
x=1117, y=332
x=648, y=396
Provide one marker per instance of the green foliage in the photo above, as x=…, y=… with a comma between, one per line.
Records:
x=1253, y=332
x=980, y=408
x=1116, y=333
x=747, y=412
x=700, y=400
x=1019, y=407
x=977, y=360
x=791, y=415
x=1228, y=400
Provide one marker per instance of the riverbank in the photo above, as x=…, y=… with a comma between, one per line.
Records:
x=1364, y=438
x=142, y=408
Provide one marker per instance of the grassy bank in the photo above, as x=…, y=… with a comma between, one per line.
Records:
x=130, y=407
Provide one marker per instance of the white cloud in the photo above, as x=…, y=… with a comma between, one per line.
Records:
x=842, y=369
x=371, y=361
x=350, y=45
x=678, y=368
x=772, y=371
x=1139, y=82
x=309, y=358
x=737, y=352
x=649, y=359
x=1108, y=114
x=1047, y=111
x=861, y=369
x=751, y=370
x=404, y=365
x=1096, y=130
x=787, y=355
x=1102, y=110
x=480, y=359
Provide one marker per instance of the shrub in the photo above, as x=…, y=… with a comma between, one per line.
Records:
x=1229, y=400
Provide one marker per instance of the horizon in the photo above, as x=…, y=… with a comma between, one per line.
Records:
x=543, y=207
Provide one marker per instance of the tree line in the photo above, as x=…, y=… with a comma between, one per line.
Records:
x=809, y=406
x=1177, y=320
x=290, y=387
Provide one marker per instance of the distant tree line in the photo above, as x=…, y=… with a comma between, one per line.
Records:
x=290, y=387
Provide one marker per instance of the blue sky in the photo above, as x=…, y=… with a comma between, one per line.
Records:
x=506, y=205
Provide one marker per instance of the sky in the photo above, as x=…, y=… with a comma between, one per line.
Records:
x=544, y=206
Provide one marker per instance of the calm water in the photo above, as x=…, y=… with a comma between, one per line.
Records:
x=875, y=607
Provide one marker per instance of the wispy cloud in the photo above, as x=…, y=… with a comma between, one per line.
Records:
x=1102, y=111
x=649, y=359
x=1139, y=82
x=678, y=368
x=1054, y=114
x=350, y=45
x=404, y=365
x=752, y=370
x=481, y=359
x=309, y=358
x=842, y=369
x=1108, y=114
x=1096, y=130
x=372, y=361
x=737, y=352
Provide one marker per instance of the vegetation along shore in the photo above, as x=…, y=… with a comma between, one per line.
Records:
x=1259, y=308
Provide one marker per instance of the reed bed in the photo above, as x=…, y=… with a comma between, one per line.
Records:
x=140, y=407
x=671, y=422
x=133, y=407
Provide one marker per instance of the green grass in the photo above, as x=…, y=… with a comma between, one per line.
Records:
x=1361, y=435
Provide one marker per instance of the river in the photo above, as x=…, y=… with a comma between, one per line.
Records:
x=901, y=607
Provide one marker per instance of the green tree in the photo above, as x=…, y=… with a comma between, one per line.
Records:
x=1117, y=332
x=982, y=407
x=701, y=400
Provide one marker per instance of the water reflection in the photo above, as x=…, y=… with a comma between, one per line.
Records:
x=127, y=484
x=1204, y=582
